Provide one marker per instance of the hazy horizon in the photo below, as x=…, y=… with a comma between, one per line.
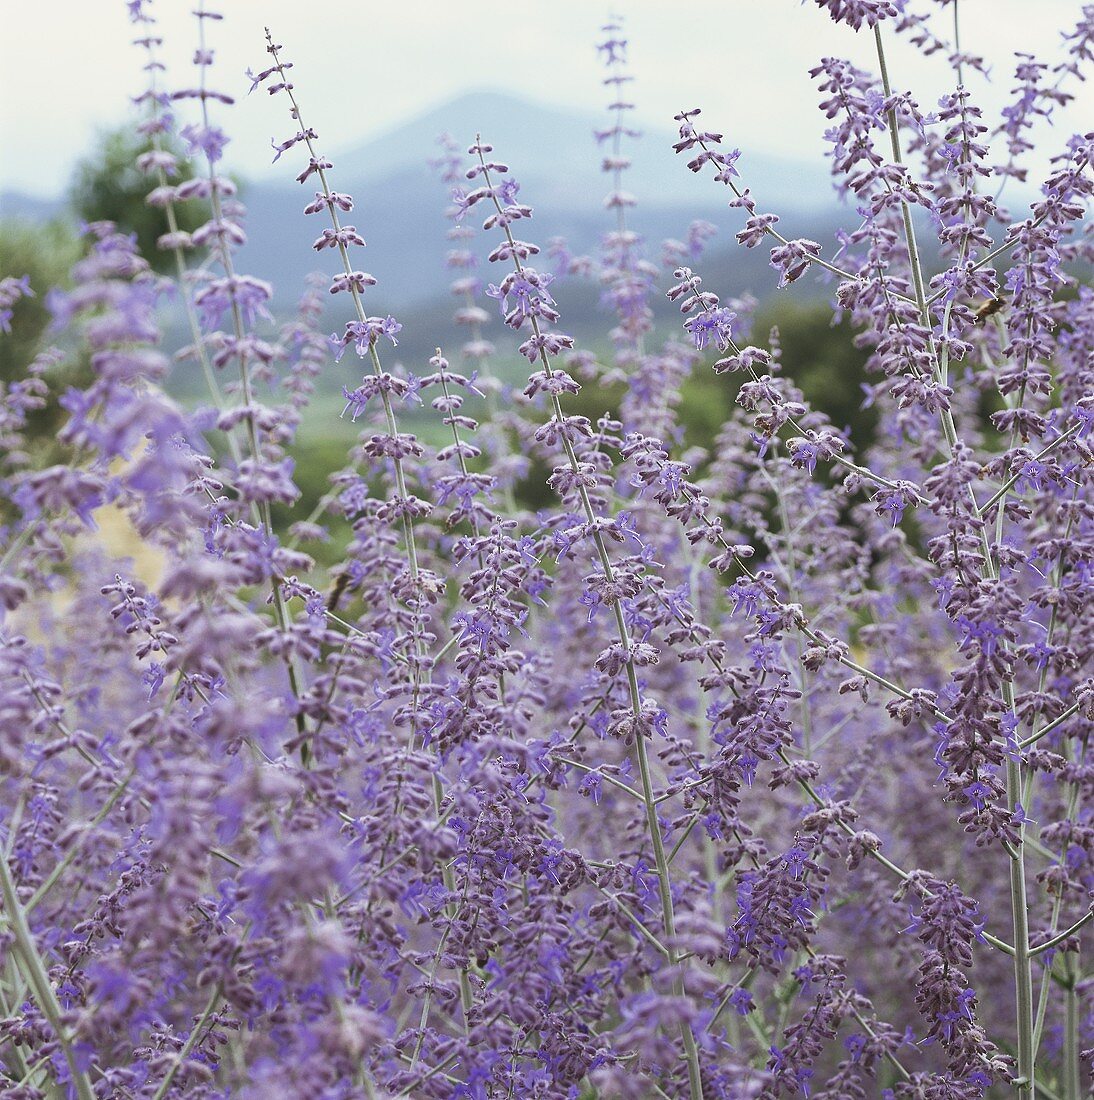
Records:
x=721, y=55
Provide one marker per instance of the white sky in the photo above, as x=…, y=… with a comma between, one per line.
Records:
x=362, y=66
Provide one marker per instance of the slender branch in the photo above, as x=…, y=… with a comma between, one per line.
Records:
x=1005, y=487
x=1023, y=974
x=1048, y=727
x=664, y=884
x=1048, y=945
x=1006, y=246
x=771, y=231
x=37, y=977
x=1072, y=1083
x=263, y=511
x=191, y=1041
x=51, y=879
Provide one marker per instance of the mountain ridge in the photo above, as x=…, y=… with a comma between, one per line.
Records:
x=552, y=152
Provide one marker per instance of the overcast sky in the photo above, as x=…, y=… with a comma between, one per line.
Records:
x=67, y=68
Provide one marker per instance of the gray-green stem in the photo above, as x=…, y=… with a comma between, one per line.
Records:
x=281, y=611
x=664, y=883
x=37, y=977
x=393, y=430
x=1023, y=976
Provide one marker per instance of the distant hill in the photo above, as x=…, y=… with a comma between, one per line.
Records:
x=552, y=151
x=400, y=204
x=16, y=204
x=554, y=148
x=400, y=201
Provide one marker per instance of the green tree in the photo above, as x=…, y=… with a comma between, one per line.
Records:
x=44, y=253
x=822, y=359
x=108, y=186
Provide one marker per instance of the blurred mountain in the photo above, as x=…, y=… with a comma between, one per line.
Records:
x=29, y=208
x=555, y=147
x=400, y=201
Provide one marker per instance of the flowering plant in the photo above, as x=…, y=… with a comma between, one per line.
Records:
x=754, y=772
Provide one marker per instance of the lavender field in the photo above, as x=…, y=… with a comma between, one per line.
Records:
x=643, y=727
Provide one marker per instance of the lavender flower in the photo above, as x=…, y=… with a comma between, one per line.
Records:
x=747, y=770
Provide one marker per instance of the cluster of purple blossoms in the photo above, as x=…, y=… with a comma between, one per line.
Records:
x=750, y=771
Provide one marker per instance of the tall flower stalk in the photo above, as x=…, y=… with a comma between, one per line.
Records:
x=531, y=306
x=696, y=779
